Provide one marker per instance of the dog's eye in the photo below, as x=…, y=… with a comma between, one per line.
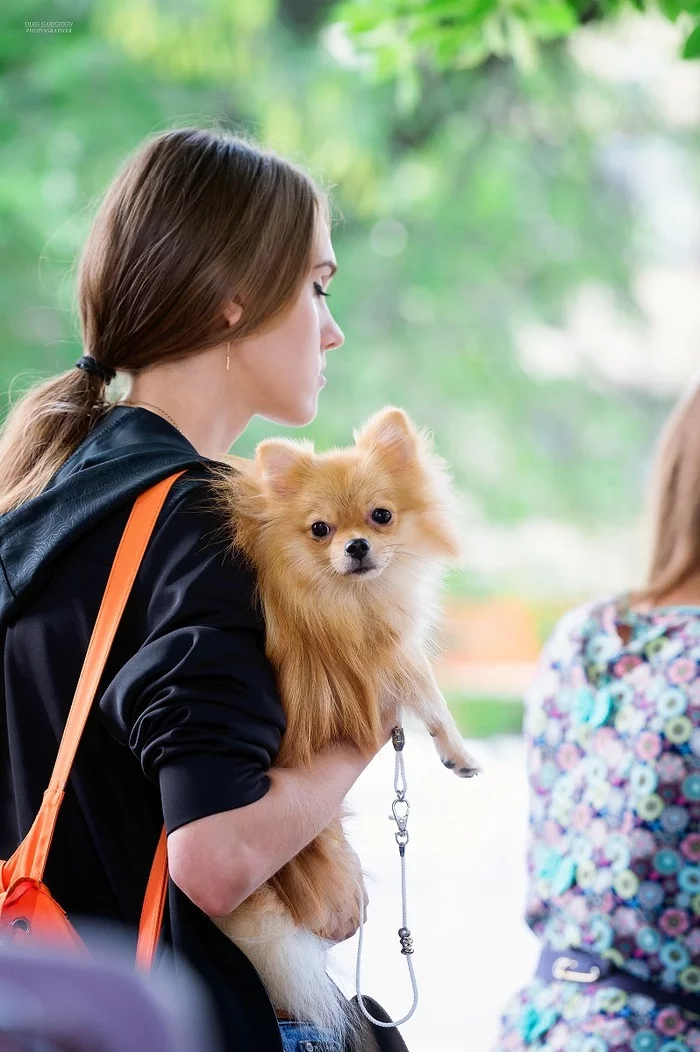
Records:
x=320, y=529
x=381, y=515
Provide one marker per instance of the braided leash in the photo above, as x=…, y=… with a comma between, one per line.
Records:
x=399, y=814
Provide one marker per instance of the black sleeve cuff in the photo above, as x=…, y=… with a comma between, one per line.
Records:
x=201, y=784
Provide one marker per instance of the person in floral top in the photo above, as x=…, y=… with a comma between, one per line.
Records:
x=612, y=728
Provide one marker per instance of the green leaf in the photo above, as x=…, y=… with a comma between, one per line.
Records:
x=552, y=18
x=360, y=17
x=670, y=8
x=691, y=48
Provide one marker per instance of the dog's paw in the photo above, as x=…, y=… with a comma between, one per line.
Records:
x=463, y=764
x=450, y=748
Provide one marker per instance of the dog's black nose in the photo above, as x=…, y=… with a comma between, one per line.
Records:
x=358, y=548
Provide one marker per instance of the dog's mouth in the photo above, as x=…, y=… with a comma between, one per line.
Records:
x=366, y=570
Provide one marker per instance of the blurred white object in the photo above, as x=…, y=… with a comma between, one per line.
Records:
x=465, y=865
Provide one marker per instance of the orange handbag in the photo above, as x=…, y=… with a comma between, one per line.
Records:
x=28, y=912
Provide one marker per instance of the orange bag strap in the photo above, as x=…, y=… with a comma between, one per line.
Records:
x=30, y=857
x=153, y=906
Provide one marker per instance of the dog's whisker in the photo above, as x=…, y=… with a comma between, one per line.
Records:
x=411, y=555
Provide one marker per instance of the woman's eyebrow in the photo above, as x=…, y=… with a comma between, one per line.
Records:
x=327, y=263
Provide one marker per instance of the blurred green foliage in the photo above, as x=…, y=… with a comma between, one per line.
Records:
x=486, y=206
x=486, y=717
x=397, y=36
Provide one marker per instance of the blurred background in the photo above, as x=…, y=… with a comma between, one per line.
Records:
x=517, y=226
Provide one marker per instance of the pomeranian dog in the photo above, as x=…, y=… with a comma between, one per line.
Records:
x=348, y=548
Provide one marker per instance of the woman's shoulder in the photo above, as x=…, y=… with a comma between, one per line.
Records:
x=195, y=489
x=193, y=504
x=192, y=552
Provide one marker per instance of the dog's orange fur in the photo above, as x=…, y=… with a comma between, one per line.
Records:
x=345, y=648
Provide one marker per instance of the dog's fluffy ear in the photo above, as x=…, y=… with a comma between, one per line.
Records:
x=391, y=433
x=278, y=462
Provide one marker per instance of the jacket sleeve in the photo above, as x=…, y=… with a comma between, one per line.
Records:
x=197, y=703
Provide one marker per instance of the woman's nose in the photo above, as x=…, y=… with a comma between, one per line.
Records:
x=333, y=336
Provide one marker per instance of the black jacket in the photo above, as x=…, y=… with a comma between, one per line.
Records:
x=187, y=718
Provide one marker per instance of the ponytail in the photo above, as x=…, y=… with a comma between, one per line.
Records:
x=43, y=429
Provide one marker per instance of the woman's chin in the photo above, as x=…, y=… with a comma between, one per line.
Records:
x=295, y=416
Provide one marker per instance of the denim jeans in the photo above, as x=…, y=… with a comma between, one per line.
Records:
x=306, y=1037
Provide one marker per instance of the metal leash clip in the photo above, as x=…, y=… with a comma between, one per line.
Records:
x=401, y=819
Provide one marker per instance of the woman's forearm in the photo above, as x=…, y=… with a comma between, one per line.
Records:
x=299, y=804
x=219, y=860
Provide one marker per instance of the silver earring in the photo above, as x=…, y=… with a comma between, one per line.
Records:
x=228, y=348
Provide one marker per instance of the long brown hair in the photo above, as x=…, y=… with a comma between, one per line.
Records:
x=194, y=218
x=675, y=501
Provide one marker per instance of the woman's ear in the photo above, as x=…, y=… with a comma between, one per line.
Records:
x=390, y=433
x=279, y=462
x=232, y=312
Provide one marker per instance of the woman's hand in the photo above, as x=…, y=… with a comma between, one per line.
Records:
x=344, y=927
x=344, y=922
x=345, y=919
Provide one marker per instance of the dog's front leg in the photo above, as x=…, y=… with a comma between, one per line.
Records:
x=425, y=698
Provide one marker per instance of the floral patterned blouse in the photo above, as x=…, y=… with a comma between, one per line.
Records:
x=613, y=734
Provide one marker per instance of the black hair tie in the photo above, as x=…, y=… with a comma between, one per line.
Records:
x=91, y=365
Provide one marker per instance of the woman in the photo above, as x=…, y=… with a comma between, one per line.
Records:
x=203, y=281
x=613, y=735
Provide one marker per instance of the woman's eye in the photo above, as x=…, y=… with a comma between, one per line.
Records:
x=319, y=289
x=381, y=515
x=320, y=529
